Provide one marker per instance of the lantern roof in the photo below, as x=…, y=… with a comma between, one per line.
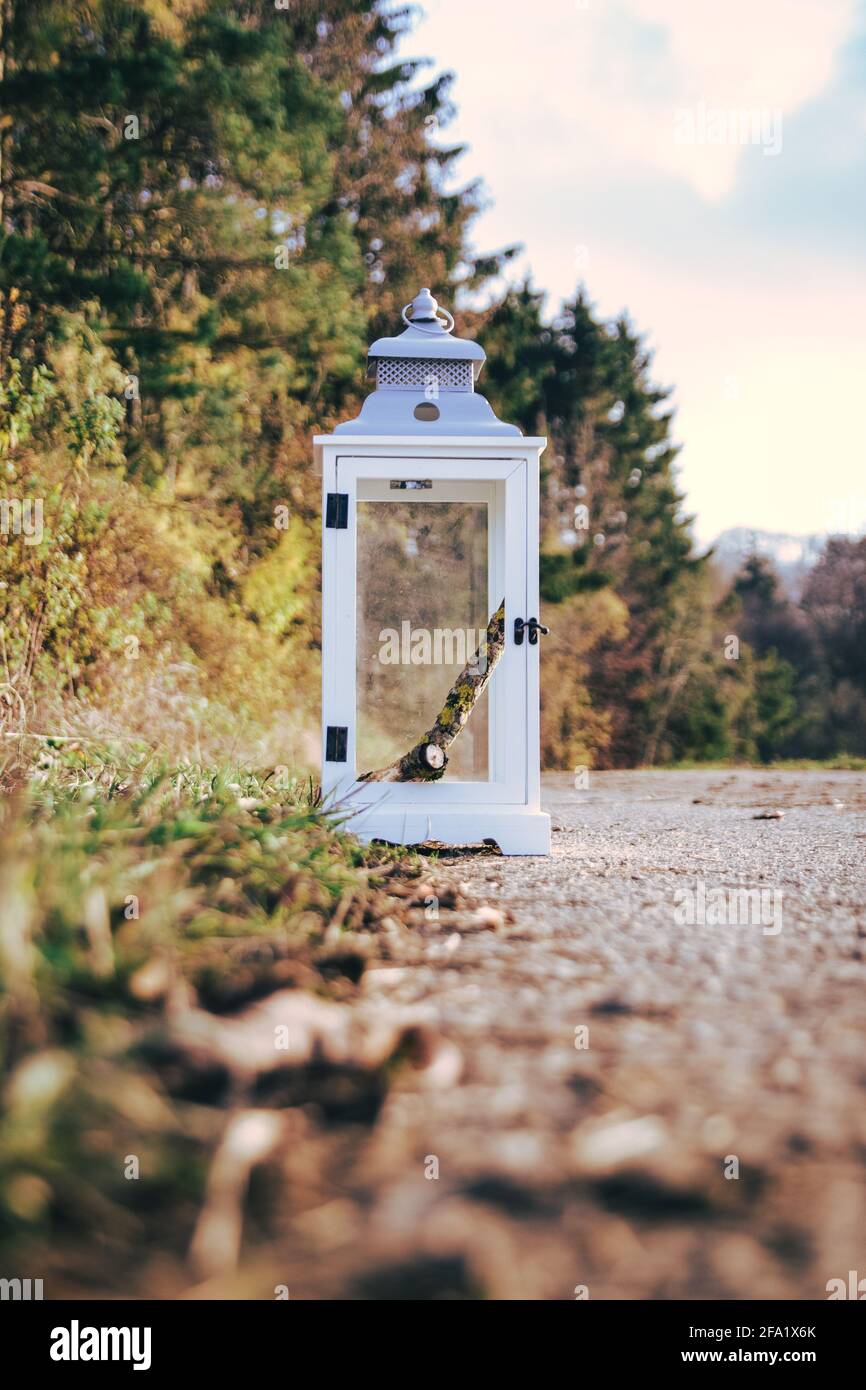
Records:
x=425, y=380
x=428, y=333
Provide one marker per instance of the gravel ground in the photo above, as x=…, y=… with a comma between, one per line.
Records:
x=646, y=1108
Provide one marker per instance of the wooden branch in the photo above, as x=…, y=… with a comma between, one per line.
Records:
x=427, y=760
x=35, y=186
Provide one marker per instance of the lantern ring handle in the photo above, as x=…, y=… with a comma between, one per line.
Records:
x=447, y=325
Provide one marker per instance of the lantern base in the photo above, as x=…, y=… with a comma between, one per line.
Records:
x=517, y=831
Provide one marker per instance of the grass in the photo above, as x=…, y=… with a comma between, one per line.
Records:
x=128, y=890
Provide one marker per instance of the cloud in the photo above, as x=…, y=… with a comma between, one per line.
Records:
x=616, y=82
x=745, y=268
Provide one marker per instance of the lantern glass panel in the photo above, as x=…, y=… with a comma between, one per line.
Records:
x=423, y=604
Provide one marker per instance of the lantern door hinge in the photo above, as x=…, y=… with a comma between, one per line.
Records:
x=336, y=741
x=337, y=511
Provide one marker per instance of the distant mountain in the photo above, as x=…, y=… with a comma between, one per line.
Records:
x=791, y=556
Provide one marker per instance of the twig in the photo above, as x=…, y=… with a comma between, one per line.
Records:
x=426, y=762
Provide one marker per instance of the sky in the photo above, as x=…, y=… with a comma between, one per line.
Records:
x=701, y=165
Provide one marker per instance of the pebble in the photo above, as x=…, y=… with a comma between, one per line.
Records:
x=786, y=1072
x=487, y=917
x=604, y=1148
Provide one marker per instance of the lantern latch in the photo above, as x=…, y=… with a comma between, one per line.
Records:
x=337, y=511
x=336, y=741
x=532, y=627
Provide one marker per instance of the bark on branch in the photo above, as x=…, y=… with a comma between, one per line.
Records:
x=427, y=760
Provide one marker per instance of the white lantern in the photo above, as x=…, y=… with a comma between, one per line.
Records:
x=430, y=650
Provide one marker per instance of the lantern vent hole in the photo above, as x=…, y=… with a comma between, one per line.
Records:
x=422, y=373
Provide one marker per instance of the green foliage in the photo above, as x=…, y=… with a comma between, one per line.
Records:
x=278, y=590
x=575, y=732
x=21, y=405
x=776, y=707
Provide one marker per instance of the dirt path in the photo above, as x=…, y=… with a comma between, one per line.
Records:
x=599, y=1158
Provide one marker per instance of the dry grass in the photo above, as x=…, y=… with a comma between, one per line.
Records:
x=144, y=911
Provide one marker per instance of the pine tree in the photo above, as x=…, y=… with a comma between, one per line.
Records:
x=611, y=508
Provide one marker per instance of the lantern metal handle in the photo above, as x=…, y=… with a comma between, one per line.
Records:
x=426, y=304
